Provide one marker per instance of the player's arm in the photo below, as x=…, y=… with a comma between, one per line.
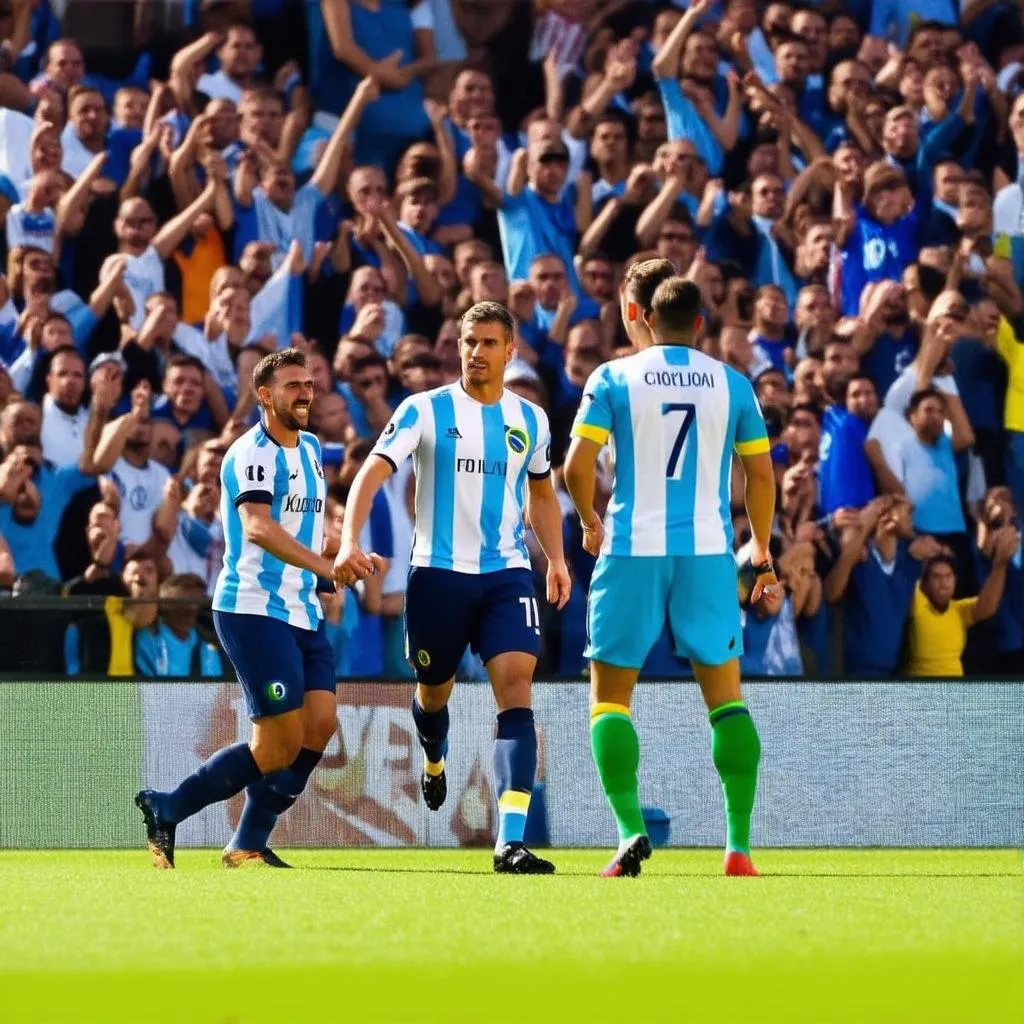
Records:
x=545, y=518
x=590, y=432
x=399, y=440
x=754, y=450
x=260, y=529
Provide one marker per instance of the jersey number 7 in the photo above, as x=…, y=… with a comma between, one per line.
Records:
x=689, y=411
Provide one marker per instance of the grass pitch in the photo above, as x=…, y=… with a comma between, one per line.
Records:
x=434, y=936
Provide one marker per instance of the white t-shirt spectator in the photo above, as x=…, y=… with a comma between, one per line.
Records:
x=902, y=390
x=62, y=433
x=198, y=548
x=143, y=276
x=141, y=491
x=25, y=227
x=214, y=355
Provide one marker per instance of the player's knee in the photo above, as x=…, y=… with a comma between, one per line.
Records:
x=276, y=747
x=318, y=730
x=513, y=692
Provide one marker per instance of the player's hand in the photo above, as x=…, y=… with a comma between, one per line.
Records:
x=559, y=583
x=593, y=536
x=352, y=564
x=767, y=588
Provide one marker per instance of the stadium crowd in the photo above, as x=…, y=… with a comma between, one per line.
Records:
x=187, y=186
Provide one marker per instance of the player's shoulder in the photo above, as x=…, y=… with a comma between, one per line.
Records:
x=517, y=401
x=308, y=438
x=255, y=437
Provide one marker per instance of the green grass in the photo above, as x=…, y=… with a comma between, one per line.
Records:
x=434, y=936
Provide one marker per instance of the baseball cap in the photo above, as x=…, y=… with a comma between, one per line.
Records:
x=114, y=358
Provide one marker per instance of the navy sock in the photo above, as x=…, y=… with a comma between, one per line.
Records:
x=269, y=797
x=432, y=729
x=228, y=772
x=515, y=768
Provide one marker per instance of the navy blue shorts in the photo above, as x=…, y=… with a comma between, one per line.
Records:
x=492, y=613
x=276, y=664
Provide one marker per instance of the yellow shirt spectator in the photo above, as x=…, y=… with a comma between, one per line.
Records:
x=1012, y=352
x=937, y=638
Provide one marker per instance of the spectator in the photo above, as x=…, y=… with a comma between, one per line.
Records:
x=939, y=623
x=172, y=646
x=64, y=415
x=844, y=472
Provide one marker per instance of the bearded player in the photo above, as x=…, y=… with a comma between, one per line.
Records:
x=674, y=416
x=270, y=623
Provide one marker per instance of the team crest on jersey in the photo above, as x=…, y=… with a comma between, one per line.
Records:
x=390, y=429
x=517, y=440
x=276, y=690
x=423, y=657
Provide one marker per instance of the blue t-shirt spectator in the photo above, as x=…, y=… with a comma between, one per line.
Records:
x=844, y=474
x=531, y=225
x=159, y=651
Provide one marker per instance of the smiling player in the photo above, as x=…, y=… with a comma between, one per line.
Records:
x=270, y=623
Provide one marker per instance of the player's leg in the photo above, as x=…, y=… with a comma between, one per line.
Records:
x=508, y=641
x=270, y=796
x=708, y=632
x=625, y=612
x=268, y=663
x=439, y=608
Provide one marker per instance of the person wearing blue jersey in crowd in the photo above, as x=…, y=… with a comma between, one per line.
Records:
x=536, y=216
x=675, y=416
x=482, y=460
x=878, y=239
x=844, y=473
x=269, y=621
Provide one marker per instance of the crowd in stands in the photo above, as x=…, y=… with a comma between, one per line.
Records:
x=186, y=186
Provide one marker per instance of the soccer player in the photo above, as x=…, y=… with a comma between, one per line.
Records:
x=675, y=416
x=482, y=456
x=269, y=621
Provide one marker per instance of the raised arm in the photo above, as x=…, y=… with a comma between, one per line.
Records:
x=325, y=177
x=427, y=286
x=111, y=284
x=991, y=594
x=337, y=17
x=584, y=206
x=223, y=205
x=448, y=174
x=174, y=231
x=74, y=204
x=114, y=435
x=666, y=60
x=517, y=173
x=141, y=160
x=656, y=212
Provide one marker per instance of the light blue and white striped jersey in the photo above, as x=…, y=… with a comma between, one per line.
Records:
x=291, y=481
x=675, y=416
x=471, y=463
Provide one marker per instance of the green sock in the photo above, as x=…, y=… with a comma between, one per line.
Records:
x=736, y=751
x=616, y=750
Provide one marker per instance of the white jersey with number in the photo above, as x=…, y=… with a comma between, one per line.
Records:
x=258, y=470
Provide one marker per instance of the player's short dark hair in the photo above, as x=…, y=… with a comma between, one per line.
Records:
x=489, y=313
x=263, y=372
x=677, y=304
x=642, y=280
x=859, y=376
x=921, y=396
x=184, y=359
x=63, y=350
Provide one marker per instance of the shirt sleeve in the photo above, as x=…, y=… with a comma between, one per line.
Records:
x=145, y=655
x=401, y=437
x=249, y=475
x=539, y=466
x=965, y=609
x=751, y=432
x=594, y=418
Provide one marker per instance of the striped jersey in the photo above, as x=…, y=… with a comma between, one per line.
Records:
x=252, y=581
x=674, y=416
x=471, y=463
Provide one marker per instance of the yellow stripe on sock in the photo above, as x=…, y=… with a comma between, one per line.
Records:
x=515, y=801
x=606, y=708
x=433, y=768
